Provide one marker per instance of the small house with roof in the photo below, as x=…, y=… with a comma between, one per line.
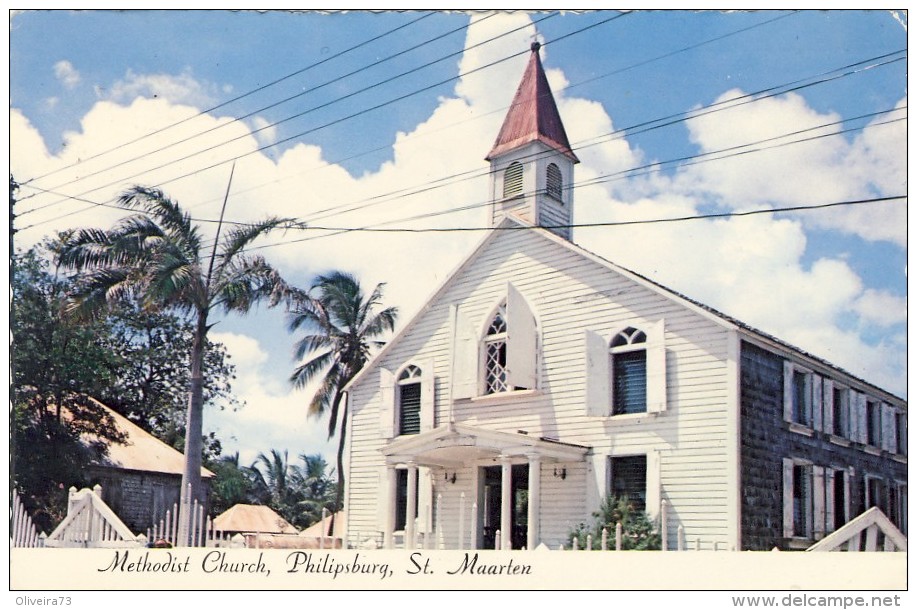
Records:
x=141, y=476
x=540, y=378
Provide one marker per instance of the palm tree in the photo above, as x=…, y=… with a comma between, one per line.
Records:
x=342, y=330
x=274, y=485
x=316, y=487
x=157, y=257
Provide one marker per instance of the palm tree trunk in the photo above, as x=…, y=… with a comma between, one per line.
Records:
x=339, y=493
x=191, y=477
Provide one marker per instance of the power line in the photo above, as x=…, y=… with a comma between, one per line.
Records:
x=278, y=103
x=483, y=115
x=237, y=98
x=616, y=134
x=619, y=223
x=315, y=108
x=828, y=76
x=628, y=173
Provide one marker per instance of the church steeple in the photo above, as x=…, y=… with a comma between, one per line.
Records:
x=533, y=114
x=531, y=161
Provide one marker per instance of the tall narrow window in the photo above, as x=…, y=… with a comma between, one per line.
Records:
x=401, y=499
x=802, y=404
x=409, y=401
x=555, y=182
x=512, y=180
x=839, y=493
x=802, y=490
x=873, y=424
x=628, y=480
x=840, y=412
x=495, y=353
x=875, y=493
x=628, y=372
x=901, y=433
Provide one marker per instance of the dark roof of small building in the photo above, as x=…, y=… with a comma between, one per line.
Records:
x=533, y=115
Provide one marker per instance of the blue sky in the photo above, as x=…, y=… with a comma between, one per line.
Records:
x=831, y=281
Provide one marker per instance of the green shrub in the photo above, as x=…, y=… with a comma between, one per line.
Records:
x=639, y=532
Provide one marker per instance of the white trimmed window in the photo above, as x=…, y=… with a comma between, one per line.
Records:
x=407, y=403
x=512, y=180
x=554, y=182
x=626, y=374
x=837, y=498
x=876, y=493
x=409, y=391
x=901, y=433
x=495, y=353
x=637, y=478
x=797, y=499
x=503, y=357
x=873, y=423
x=897, y=505
x=840, y=412
x=802, y=396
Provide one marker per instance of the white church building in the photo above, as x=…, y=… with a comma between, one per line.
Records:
x=540, y=377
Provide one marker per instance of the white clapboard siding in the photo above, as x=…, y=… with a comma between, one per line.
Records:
x=568, y=294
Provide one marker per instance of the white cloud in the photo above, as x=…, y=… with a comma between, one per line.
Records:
x=881, y=308
x=274, y=417
x=264, y=130
x=68, y=76
x=835, y=169
x=177, y=89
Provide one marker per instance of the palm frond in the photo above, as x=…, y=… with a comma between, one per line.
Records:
x=247, y=281
x=239, y=237
x=167, y=213
x=309, y=370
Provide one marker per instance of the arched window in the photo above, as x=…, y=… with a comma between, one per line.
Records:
x=555, y=182
x=628, y=372
x=409, y=394
x=629, y=369
x=495, y=353
x=512, y=180
x=407, y=399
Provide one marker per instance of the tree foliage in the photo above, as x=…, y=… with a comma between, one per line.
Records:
x=157, y=257
x=639, y=533
x=343, y=328
x=296, y=491
x=131, y=360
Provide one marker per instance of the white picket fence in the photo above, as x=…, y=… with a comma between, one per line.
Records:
x=23, y=533
x=90, y=523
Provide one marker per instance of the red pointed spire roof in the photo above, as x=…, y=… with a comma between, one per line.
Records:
x=533, y=114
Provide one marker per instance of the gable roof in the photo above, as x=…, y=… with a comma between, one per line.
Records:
x=140, y=450
x=511, y=223
x=533, y=115
x=252, y=518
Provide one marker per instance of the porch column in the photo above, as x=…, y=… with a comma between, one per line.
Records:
x=506, y=504
x=391, y=492
x=534, y=501
x=411, y=514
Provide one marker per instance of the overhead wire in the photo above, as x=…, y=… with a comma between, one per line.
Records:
x=628, y=173
x=312, y=89
x=237, y=98
x=315, y=108
x=654, y=124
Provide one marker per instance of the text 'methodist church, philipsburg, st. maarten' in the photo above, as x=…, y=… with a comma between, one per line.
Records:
x=540, y=377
